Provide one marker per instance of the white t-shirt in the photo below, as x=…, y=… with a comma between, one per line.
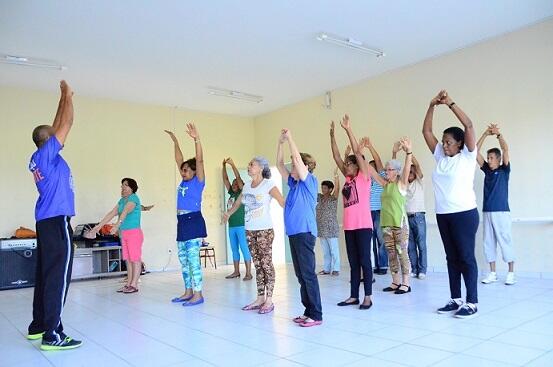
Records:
x=415, y=197
x=453, y=180
x=257, y=201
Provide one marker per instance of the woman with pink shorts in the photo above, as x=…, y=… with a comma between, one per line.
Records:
x=128, y=209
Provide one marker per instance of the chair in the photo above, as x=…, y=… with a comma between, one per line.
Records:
x=208, y=252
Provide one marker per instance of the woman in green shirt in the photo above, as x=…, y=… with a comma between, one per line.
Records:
x=393, y=219
x=236, y=230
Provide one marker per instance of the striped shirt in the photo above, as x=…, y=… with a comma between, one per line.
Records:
x=376, y=192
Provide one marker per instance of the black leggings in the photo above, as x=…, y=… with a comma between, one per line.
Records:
x=358, y=246
x=458, y=232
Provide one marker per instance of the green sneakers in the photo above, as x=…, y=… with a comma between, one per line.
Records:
x=35, y=336
x=67, y=343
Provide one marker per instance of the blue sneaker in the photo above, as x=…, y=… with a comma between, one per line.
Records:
x=450, y=307
x=179, y=300
x=467, y=311
x=198, y=302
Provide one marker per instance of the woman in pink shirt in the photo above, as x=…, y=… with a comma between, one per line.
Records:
x=357, y=215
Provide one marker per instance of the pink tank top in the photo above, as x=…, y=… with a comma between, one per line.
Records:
x=357, y=208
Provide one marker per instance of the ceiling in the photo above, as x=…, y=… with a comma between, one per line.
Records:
x=169, y=52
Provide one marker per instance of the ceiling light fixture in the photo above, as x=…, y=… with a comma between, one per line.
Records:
x=214, y=91
x=30, y=61
x=350, y=43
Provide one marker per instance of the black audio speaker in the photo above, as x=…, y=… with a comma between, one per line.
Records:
x=17, y=268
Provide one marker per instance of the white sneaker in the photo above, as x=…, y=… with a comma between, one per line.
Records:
x=510, y=280
x=413, y=275
x=492, y=277
x=422, y=276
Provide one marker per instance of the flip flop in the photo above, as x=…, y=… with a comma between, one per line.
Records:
x=311, y=323
x=130, y=289
x=264, y=310
x=232, y=276
x=122, y=289
x=251, y=307
x=179, y=299
x=300, y=319
x=198, y=302
x=248, y=277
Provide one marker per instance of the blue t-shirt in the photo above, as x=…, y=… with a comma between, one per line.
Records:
x=496, y=188
x=299, y=210
x=189, y=195
x=376, y=193
x=132, y=220
x=53, y=180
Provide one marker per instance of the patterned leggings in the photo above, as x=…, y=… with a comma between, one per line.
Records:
x=189, y=257
x=397, y=243
x=261, y=249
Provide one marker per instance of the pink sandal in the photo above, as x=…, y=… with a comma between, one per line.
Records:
x=311, y=323
x=251, y=307
x=264, y=310
x=300, y=319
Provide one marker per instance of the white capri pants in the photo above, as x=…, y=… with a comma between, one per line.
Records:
x=497, y=230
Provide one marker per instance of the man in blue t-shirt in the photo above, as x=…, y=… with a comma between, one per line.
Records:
x=496, y=213
x=301, y=227
x=54, y=208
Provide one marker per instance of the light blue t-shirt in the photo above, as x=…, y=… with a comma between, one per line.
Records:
x=299, y=210
x=189, y=195
x=132, y=220
x=53, y=180
x=376, y=193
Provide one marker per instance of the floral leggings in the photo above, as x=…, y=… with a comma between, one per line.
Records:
x=189, y=257
x=261, y=249
x=397, y=242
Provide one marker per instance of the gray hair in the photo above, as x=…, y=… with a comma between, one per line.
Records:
x=264, y=163
x=395, y=164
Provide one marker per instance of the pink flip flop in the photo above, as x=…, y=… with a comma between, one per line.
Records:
x=264, y=310
x=251, y=307
x=311, y=323
x=300, y=319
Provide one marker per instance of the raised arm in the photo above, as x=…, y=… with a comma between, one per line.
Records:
x=364, y=142
x=361, y=162
x=336, y=191
x=374, y=154
x=64, y=115
x=192, y=131
x=418, y=168
x=280, y=157
x=336, y=151
x=396, y=148
x=301, y=168
x=502, y=144
x=470, y=134
x=236, y=173
x=178, y=154
x=225, y=175
x=427, y=133
x=408, y=149
x=479, y=157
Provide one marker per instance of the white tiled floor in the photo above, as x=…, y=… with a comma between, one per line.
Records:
x=514, y=326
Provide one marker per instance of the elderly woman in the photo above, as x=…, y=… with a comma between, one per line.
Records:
x=129, y=211
x=327, y=225
x=301, y=226
x=256, y=197
x=236, y=230
x=191, y=227
x=456, y=212
x=393, y=219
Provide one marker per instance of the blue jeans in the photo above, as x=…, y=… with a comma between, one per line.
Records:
x=302, y=249
x=331, y=254
x=238, y=242
x=417, y=242
x=379, y=248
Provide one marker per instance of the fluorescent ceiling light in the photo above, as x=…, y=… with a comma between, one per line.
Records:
x=350, y=43
x=214, y=91
x=30, y=61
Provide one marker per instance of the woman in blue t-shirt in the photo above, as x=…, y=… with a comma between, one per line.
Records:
x=191, y=227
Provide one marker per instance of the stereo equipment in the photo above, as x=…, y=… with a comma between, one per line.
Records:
x=18, y=243
x=17, y=267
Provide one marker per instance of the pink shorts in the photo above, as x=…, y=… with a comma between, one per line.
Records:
x=131, y=242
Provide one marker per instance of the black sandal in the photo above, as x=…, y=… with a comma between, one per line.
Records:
x=390, y=289
x=344, y=303
x=402, y=291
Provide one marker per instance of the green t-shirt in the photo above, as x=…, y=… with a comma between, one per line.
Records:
x=237, y=219
x=392, y=212
x=132, y=220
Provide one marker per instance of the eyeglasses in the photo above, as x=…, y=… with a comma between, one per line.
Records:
x=390, y=169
